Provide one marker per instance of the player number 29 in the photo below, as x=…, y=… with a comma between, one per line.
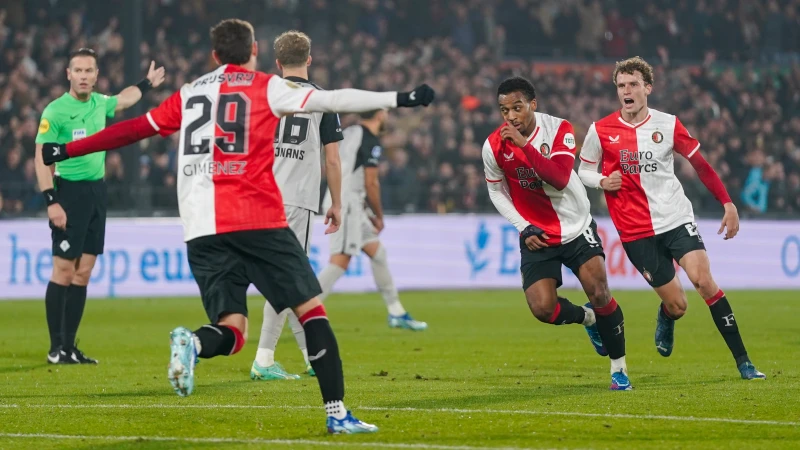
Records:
x=233, y=110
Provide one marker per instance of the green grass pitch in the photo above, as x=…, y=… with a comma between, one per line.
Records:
x=486, y=374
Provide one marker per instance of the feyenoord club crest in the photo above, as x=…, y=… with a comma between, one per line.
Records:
x=658, y=137
x=545, y=149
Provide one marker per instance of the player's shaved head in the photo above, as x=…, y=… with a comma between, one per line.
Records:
x=232, y=41
x=292, y=49
x=517, y=84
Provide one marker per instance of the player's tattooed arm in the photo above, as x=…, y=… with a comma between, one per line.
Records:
x=132, y=94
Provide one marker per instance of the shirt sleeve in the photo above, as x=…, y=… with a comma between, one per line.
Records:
x=166, y=117
x=330, y=128
x=564, y=142
x=286, y=96
x=591, y=151
x=591, y=157
x=492, y=171
x=48, y=127
x=111, y=105
x=683, y=142
x=371, y=153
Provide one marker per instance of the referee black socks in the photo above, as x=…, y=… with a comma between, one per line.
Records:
x=73, y=312
x=54, y=300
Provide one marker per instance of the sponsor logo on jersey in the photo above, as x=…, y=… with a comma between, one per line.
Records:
x=569, y=141
x=215, y=168
x=613, y=139
x=80, y=133
x=635, y=162
x=545, y=149
x=44, y=126
x=528, y=179
x=508, y=156
x=658, y=137
x=376, y=151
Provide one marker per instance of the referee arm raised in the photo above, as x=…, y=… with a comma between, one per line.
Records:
x=76, y=197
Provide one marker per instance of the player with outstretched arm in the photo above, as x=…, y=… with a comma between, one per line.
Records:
x=529, y=170
x=232, y=211
x=630, y=155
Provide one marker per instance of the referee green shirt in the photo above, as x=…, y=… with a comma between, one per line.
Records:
x=68, y=119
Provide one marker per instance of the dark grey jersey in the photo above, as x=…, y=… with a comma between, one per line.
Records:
x=298, y=145
x=359, y=149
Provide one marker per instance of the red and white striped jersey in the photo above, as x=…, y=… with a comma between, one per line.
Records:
x=562, y=214
x=227, y=120
x=651, y=200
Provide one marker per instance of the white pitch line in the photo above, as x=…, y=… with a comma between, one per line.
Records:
x=250, y=441
x=427, y=410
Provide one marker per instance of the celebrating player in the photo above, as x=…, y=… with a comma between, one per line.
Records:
x=234, y=221
x=633, y=148
x=361, y=150
x=298, y=174
x=528, y=163
x=76, y=198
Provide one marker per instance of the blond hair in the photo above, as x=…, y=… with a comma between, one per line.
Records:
x=292, y=48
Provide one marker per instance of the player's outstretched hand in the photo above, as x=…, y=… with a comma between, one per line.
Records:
x=512, y=134
x=53, y=153
x=612, y=182
x=333, y=219
x=155, y=76
x=730, y=221
x=420, y=96
x=57, y=215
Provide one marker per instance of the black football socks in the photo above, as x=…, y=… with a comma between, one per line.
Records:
x=726, y=324
x=54, y=300
x=73, y=312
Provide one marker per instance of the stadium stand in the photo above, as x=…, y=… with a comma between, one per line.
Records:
x=741, y=99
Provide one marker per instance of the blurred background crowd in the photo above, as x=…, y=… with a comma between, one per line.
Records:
x=730, y=69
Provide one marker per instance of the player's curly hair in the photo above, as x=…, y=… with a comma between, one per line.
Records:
x=232, y=40
x=292, y=48
x=631, y=65
x=517, y=84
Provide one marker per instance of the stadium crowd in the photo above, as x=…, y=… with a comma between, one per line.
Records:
x=730, y=69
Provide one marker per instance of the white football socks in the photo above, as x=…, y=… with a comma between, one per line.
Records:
x=328, y=277
x=619, y=364
x=270, y=333
x=299, y=334
x=385, y=283
x=590, y=319
x=336, y=409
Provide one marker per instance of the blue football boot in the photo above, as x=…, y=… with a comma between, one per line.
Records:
x=183, y=357
x=349, y=425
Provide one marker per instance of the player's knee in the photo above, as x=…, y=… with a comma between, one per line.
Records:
x=542, y=310
x=677, y=309
x=63, y=271
x=598, y=295
x=704, y=284
x=82, y=276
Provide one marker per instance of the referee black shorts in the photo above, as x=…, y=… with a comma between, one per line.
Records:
x=85, y=204
x=224, y=266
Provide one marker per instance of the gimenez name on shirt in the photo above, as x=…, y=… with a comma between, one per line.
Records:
x=215, y=168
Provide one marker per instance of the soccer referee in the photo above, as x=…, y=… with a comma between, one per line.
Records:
x=76, y=197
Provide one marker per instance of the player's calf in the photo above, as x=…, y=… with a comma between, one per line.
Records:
x=323, y=353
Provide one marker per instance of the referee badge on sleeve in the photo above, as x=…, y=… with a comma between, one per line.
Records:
x=44, y=126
